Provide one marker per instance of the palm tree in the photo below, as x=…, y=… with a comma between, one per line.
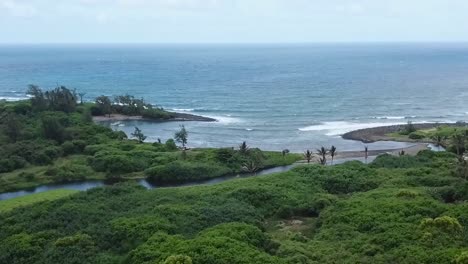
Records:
x=244, y=148
x=308, y=156
x=322, y=152
x=458, y=140
x=366, y=153
x=332, y=153
x=81, y=95
x=438, y=140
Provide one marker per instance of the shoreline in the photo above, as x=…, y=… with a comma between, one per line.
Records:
x=374, y=134
x=181, y=117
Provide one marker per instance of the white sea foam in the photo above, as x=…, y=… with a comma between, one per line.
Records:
x=249, y=129
x=337, y=128
x=9, y=98
x=183, y=109
x=225, y=119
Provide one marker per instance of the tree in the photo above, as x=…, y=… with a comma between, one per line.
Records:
x=438, y=139
x=244, y=148
x=61, y=99
x=409, y=128
x=366, y=153
x=81, y=95
x=12, y=126
x=38, y=101
x=332, y=153
x=402, y=153
x=462, y=167
x=104, y=104
x=322, y=152
x=308, y=156
x=458, y=140
x=139, y=135
x=181, y=136
x=285, y=152
x=253, y=164
x=52, y=128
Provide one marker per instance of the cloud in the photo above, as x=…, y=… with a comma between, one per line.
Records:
x=18, y=8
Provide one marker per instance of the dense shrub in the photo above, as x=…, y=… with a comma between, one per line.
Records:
x=171, y=145
x=68, y=173
x=184, y=171
x=416, y=135
x=116, y=163
x=12, y=163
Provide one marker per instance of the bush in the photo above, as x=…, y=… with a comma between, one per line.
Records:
x=184, y=171
x=155, y=113
x=28, y=176
x=117, y=163
x=11, y=164
x=73, y=147
x=416, y=135
x=69, y=173
x=171, y=145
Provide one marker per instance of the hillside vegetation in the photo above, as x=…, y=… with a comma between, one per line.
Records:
x=395, y=210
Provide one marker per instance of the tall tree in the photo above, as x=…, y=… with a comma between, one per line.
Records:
x=181, y=136
x=332, y=153
x=139, y=135
x=12, y=126
x=244, y=148
x=308, y=155
x=366, y=153
x=458, y=141
x=38, y=100
x=322, y=152
x=81, y=95
x=104, y=104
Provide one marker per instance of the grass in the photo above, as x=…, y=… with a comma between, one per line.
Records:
x=11, y=204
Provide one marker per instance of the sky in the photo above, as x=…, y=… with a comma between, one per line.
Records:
x=232, y=21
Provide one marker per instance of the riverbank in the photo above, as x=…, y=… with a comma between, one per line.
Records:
x=370, y=135
x=174, y=117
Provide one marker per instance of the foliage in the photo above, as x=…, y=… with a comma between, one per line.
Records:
x=139, y=135
x=348, y=213
x=181, y=136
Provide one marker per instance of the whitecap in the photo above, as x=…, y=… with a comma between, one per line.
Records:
x=390, y=117
x=249, y=129
x=12, y=99
x=183, y=109
x=225, y=119
x=336, y=128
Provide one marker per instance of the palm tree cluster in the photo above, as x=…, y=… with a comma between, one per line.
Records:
x=322, y=154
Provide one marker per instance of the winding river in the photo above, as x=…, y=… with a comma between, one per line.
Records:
x=89, y=184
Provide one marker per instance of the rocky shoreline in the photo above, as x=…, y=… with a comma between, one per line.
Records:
x=175, y=117
x=370, y=135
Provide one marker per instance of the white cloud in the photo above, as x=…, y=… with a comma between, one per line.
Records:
x=18, y=8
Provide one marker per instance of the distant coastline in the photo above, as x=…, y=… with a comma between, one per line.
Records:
x=374, y=134
x=174, y=117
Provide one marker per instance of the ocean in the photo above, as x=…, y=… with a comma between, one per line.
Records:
x=272, y=96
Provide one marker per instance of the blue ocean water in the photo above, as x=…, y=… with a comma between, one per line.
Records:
x=272, y=96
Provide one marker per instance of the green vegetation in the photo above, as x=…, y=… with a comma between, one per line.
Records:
x=128, y=105
x=398, y=209
x=52, y=139
x=395, y=210
x=11, y=204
